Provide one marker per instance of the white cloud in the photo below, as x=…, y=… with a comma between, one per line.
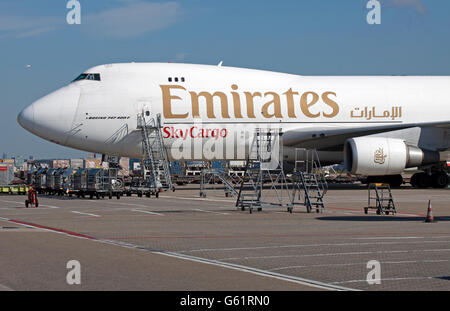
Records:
x=134, y=19
x=26, y=26
x=131, y=19
x=415, y=4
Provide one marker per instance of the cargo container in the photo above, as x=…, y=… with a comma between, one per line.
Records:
x=6, y=173
x=76, y=163
x=67, y=181
x=95, y=183
x=40, y=180
x=50, y=180
x=31, y=176
x=57, y=187
x=80, y=182
x=92, y=163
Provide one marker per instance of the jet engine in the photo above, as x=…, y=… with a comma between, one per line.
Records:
x=377, y=156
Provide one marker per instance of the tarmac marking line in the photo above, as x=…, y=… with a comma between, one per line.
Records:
x=336, y=254
x=389, y=279
x=43, y=205
x=147, y=212
x=357, y=264
x=256, y=271
x=50, y=229
x=4, y=288
x=205, y=211
x=305, y=245
x=87, y=214
x=198, y=199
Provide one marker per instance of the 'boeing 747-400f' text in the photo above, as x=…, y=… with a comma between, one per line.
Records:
x=375, y=125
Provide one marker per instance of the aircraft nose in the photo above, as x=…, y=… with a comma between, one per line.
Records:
x=26, y=118
x=51, y=116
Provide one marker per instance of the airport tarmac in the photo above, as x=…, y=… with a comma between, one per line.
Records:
x=183, y=242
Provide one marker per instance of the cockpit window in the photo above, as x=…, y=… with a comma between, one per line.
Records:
x=88, y=76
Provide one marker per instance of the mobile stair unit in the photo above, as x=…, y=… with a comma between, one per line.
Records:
x=382, y=196
x=309, y=184
x=212, y=175
x=156, y=164
x=264, y=183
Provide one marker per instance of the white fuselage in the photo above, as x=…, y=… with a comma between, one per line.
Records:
x=212, y=105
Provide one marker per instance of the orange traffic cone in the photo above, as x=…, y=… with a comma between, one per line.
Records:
x=430, y=217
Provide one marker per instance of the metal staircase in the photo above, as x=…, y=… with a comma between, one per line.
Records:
x=309, y=181
x=384, y=201
x=156, y=164
x=209, y=175
x=264, y=166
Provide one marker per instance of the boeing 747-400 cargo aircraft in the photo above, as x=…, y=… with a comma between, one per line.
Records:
x=375, y=125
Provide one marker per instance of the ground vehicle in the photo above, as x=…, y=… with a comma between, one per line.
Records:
x=32, y=199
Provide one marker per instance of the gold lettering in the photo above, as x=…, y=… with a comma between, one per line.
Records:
x=290, y=102
x=330, y=103
x=167, y=102
x=250, y=104
x=236, y=102
x=304, y=104
x=276, y=102
x=209, y=104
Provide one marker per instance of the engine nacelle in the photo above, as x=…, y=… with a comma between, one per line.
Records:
x=376, y=156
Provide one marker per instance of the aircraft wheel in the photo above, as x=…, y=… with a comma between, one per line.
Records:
x=414, y=179
x=440, y=180
x=424, y=180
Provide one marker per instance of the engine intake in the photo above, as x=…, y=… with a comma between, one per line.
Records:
x=375, y=156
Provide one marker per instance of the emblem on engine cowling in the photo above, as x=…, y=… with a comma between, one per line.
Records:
x=379, y=156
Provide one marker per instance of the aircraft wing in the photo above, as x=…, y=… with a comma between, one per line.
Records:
x=328, y=138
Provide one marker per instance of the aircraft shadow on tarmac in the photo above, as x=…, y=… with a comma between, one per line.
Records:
x=382, y=218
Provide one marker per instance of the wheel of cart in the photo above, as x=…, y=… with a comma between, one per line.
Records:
x=308, y=209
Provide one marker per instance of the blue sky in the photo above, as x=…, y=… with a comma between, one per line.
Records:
x=308, y=37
